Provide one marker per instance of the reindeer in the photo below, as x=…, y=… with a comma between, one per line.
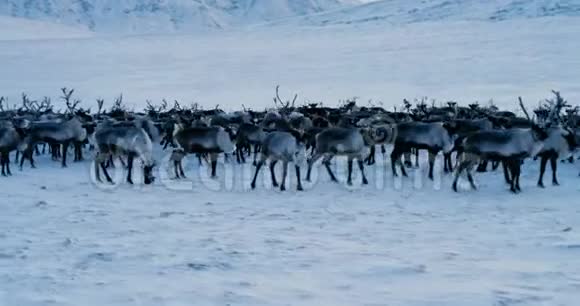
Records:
x=135, y=140
x=433, y=137
x=204, y=140
x=350, y=142
x=56, y=133
x=285, y=146
x=10, y=140
x=509, y=146
x=464, y=127
x=248, y=136
x=561, y=142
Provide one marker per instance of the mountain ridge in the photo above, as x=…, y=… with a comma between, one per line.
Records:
x=146, y=16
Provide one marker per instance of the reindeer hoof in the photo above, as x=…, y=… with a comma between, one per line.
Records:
x=282, y=188
x=253, y=186
x=555, y=183
x=349, y=183
x=541, y=185
x=299, y=188
x=454, y=187
x=365, y=182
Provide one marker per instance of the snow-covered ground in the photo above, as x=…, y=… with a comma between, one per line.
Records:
x=66, y=241
x=463, y=60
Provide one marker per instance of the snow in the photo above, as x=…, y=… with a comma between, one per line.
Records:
x=465, y=60
x=24, y=29
x=66, y=240
x=154, y=16
x=405, y=12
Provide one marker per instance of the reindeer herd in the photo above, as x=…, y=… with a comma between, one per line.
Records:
x=472, y=137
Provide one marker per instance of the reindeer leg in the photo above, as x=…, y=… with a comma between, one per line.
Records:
x=298, y=178
x=181, y=168
x=349, y=179
x=470, y=178
x=432, y=156
x=506, y=171
x=482, y=167
x=176, y=168
x=416, y=158
x=3, y=163
x=512, y=169
x=107, y=176
x=395, y=156
x=238, y=156
x=407, y=159
x=258, y=167
x=447, y=163
x=64, y=149
x=311, y=161
x=22, y=160
x=130, y=168
x=518, y=169
x=97, y=171
x=370, y=158
x=7, y=162
x=284, y=174
x=543, y=163
x=362, y=171
x=326, y=163
x=79, y=151
x=462, y=166
x=255, y=154
x=554, y=164
x=403, y=170
x=272, y=166
x=213, y=157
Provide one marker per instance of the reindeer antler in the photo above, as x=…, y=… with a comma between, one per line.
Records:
x=100, y=103
x=556, y=107
x=524, y=108
x=283, y=105
x=66, y=96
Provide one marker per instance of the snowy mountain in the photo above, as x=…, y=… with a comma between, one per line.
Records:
x=405, y=11
x=34, y=29
x=136, y=16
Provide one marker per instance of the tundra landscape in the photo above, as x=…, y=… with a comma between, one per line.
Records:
x=289, y=152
